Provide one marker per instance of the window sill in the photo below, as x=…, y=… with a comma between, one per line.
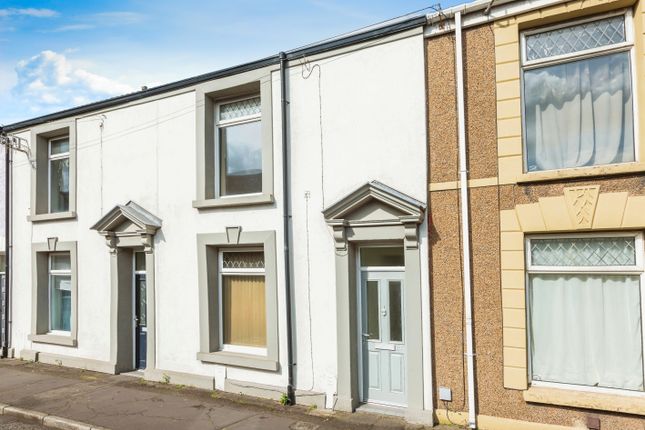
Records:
x=254, y=199
x=239, y=360
x=587, y=400
x=53, y=339
x=52, y=216
x=582, y=172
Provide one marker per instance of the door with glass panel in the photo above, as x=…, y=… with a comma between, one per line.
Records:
x=382, y=326
x=140, y=320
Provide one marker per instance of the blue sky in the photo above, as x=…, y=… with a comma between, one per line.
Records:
x=59, y=54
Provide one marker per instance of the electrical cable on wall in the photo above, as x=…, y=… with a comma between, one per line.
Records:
x=311, y=338
x=102, y=119
x=307, y=70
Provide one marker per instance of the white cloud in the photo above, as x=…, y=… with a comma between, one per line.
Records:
x=72, y=27
x=50, y=81
x=33, y=12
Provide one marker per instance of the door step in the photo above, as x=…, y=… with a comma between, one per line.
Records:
x=373, y=408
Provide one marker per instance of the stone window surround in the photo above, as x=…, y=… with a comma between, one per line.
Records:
x=40, y=293
x=508, y=94
x=39, y=175
x=208, y=246
x=206, y=96
x=580, y=209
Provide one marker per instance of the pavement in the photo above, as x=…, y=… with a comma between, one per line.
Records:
x=124, y=402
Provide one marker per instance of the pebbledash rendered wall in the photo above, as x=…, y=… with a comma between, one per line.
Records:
x=502, y=209
x=349, y=124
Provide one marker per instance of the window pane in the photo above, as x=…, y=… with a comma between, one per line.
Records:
x=60, y=262
x=396, y=323
x=2, y=264
x=140, y=285
x=584, y=251
x=243, y=260
x=241, y=159
x=586, y=330
x=576, y=38
x=382, y=256
x=59, y=185
x=59, y=146
x=244, y=311
x=239, y=109
x=139, y=261
x=373, y=312
x=60, y=309
x=579, y=113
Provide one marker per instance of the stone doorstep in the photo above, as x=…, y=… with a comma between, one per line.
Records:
x=46, y=420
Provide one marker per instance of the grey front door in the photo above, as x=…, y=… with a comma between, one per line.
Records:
x=383, y=338
x=140, y=314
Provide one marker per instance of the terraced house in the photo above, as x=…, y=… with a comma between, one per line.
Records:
x=551, y=190
x=439, y=217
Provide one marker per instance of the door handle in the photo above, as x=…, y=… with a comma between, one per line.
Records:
x=366, y=335
x=384, y=311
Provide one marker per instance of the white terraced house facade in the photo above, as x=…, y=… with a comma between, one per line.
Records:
x=149, y=231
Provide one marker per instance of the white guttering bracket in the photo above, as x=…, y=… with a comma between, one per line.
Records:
x=465, y=221
x=473, y=14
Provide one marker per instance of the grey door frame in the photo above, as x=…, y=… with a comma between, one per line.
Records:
x=348, y=396
x=122, y=347
x=375, y=213
x=128, y=227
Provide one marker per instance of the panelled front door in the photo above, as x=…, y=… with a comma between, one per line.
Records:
x=383, y=338
x=140, y=325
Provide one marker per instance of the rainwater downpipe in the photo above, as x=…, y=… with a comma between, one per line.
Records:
x=465, y=221
x=287, y=222
x=6, y=339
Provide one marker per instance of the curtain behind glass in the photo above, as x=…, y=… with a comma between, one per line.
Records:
x=59, y=183
x=579, y=113
x=244, y=310
x=586, y=330
x=60, y=302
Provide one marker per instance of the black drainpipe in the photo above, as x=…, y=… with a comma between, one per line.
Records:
x=287, y=222
x=7, y=227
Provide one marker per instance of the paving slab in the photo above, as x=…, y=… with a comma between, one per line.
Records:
x=125, y=402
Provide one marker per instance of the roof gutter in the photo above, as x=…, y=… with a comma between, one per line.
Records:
x=481, y=12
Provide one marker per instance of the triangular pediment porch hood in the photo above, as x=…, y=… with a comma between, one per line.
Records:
x=373, y=205
x=128, y=220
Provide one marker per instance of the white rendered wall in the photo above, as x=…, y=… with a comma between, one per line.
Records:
x=373, y=128
x=373, y=114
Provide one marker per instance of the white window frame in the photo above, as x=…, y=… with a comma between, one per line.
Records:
x=627, y=46
x=236, y=272
x=637, y=269
x=50, y=274
x=221, y=124
x=53, y=157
